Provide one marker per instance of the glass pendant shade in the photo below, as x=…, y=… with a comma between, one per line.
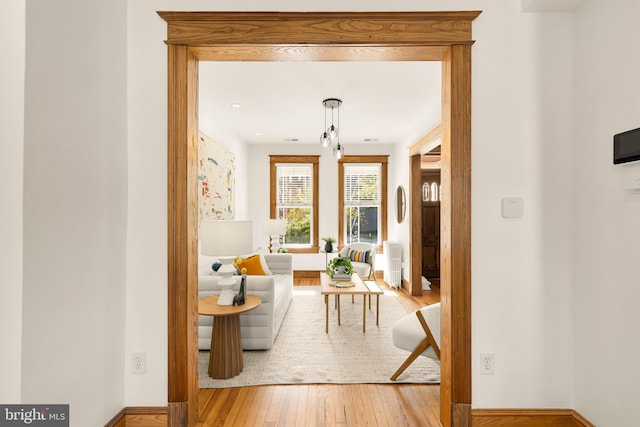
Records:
x=333, y=132
x=338, y=151
x=324, y=140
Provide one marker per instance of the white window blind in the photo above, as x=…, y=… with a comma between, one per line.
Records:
x=362, y=184
x=294, y=185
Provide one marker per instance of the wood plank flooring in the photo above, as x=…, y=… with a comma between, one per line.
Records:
x=326, y=405
x=322, y=405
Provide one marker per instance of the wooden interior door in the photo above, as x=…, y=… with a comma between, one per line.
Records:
x=431, y=225
x=431, y=241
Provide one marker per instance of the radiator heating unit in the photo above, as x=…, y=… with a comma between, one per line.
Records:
x=393, y=268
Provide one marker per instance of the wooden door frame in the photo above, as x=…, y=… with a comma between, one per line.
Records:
x=422, y=145
x=319, y=36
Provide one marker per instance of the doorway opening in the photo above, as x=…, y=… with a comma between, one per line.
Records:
x=321, y=36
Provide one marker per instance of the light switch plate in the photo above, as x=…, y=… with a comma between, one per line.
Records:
x=512, y=207
x=632, y=182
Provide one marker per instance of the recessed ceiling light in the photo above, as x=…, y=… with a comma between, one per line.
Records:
x=291, y=139
x=258, y=134
x=386, y=132
x=235, y=105
x=370, y=139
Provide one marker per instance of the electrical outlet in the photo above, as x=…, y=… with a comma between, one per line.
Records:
x=487, y=365
x=139, y=363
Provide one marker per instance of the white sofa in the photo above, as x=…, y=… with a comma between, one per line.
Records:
x=259, y=327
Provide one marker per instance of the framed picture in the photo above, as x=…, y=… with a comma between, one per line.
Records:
x=216, y=180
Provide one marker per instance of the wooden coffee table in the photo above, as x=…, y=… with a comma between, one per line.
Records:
x=225, y=358
x=360, y=288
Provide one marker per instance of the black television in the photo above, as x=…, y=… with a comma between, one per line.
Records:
x=626, y=146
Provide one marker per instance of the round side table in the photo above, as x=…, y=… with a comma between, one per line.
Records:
x=225, y=357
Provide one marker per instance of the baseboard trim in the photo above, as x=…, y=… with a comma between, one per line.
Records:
x=315, y=274
x=306, y=274
x=139, y=416
x=528, y=418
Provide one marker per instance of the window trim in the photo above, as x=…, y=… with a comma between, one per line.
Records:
x=384, y=161
x=314, y=161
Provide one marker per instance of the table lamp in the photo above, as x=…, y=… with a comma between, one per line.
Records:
x=226, y=240
x=274, y=228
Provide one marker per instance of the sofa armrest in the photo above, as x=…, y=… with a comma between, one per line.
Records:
x=280, y=263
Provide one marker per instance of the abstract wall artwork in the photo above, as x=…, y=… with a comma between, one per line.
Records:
x=216, y=180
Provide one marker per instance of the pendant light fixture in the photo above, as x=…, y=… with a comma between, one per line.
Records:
x=331, y=134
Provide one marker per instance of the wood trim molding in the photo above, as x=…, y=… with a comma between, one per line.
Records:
x=149, y=416
x=306, y=274
x=455, y=235
x=315, y=274
x=528, y=418
x=414, y=287
x=315, y=161
x=384, y=177
x=421, y=144
x=318, y=53
x=339, y=28
x=319, y=36
x=182, y=230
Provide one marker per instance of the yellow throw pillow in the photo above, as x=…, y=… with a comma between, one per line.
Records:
x=252, y=264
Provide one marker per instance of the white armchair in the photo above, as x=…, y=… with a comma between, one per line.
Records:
x=362, y=257
x=419, y=333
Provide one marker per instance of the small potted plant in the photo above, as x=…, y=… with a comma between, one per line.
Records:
x=340, y=266
x=328, y=243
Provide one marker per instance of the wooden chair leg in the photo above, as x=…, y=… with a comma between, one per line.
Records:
x=414, y=354
x=428, y=340
x=427, y=331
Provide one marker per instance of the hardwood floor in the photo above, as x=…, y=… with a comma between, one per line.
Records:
x=321, y=405
x=327, y=404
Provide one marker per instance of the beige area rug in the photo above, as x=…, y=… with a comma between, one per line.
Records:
x=304, y=354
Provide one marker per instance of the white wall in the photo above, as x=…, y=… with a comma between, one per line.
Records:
x=523, y=284
x=400, y=233
x=521, y=268
x=75, y=189
x=607, y=217
x=12, y=41
x=146, y=289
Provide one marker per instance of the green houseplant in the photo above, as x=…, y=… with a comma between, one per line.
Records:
x=329, y=241
x=339, y=265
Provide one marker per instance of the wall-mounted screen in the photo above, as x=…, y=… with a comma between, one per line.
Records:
x=626, y=146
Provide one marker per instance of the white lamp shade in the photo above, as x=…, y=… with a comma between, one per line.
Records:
x=275, y=227
x=226, y=238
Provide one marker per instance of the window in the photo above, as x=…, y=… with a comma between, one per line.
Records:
x=435, y=192
x=363, y=199
x=294, y=197
x=425, y=192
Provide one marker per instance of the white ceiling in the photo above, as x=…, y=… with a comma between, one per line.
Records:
x=388, y=102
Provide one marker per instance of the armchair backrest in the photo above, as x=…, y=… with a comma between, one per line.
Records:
x=359, y=246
